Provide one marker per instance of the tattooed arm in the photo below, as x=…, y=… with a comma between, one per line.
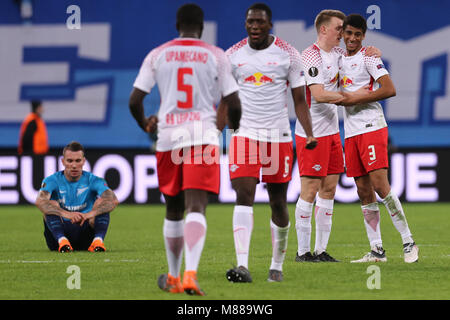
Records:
x=106, y=203
x=51, y=207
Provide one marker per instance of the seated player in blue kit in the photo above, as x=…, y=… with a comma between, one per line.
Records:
x=76, y=205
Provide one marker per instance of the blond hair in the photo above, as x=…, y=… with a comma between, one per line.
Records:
x=325, y=16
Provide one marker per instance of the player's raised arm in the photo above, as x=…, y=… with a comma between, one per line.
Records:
x=303, y=115
x=51, y=207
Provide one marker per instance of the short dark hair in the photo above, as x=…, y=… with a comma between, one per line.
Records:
x=73, y=146
x=35, y=104
x=190, y=15
x=260, y=6
x=357, y=21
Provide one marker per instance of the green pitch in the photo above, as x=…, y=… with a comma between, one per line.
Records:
x=136, y=257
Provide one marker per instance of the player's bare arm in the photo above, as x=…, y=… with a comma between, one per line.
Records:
x=363, y=95
x=136, y=105
x=324, y=96
x=106, y=203
x=303, y=115
x=232, y=104
x=51, y=207
x=222, y=117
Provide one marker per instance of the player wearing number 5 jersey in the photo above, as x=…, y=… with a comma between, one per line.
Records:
x=191, y=76
x=264, y=66
x=366, y=139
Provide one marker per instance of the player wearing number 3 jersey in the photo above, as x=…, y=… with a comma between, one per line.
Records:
x=192, y=76
x=366, y=139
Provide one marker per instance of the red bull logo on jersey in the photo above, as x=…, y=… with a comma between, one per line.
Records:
x=336, y=77
x=346, y=81
x=258, y=79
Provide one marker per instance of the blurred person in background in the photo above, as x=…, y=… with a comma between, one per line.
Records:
x=33, y=137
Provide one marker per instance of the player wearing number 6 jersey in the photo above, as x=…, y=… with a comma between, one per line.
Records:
x=264, y=66
x=366, y=139
x=192, y=76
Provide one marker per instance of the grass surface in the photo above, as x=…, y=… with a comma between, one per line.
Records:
x=136, y=257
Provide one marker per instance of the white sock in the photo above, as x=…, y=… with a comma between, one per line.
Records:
x=323, y=215
x=242, y=232
x=371, y=214
x=394, y=207
x=194, y=239
x=279, y=245
x=174, y=241
x=303, y=213
x=61, y=239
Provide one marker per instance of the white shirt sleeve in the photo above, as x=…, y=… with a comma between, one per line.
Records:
x=296, y=75
x=146, y=76
x=312, y=66
x=375, y=67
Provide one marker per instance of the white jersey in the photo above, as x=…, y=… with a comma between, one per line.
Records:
x=191, y=76
x=356, y=72
x=263, y=77
x=321, y=67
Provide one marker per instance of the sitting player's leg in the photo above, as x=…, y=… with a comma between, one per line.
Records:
x=54, y=228
x=279, y=226
x=100, y=226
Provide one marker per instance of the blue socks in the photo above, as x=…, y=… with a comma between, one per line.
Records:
x=101, y=225
x=55, y=224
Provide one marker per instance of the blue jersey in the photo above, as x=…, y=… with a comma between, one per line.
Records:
x=74, y=196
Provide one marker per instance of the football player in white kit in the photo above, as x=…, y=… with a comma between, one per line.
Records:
x=320, y=168
x=192, y=77
x=366, y=139
x=264, y=65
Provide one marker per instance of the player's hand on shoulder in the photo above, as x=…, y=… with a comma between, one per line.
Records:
x=372, y=51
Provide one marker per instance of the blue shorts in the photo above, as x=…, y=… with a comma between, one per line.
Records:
x=79, y=237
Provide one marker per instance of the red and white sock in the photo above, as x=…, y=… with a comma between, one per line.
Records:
x=371, y=214
x=174, y=241
x=242, y=232
x=194, y=239
x=395, y=209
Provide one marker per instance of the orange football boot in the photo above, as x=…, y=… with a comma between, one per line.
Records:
x=64, y=246
x=97, y=246
x=169, y=283
x=190, y=283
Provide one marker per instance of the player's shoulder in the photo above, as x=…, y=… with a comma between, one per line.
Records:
x=236, y=47
x=311, y=55
x=371, y=61
x=285, y=46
